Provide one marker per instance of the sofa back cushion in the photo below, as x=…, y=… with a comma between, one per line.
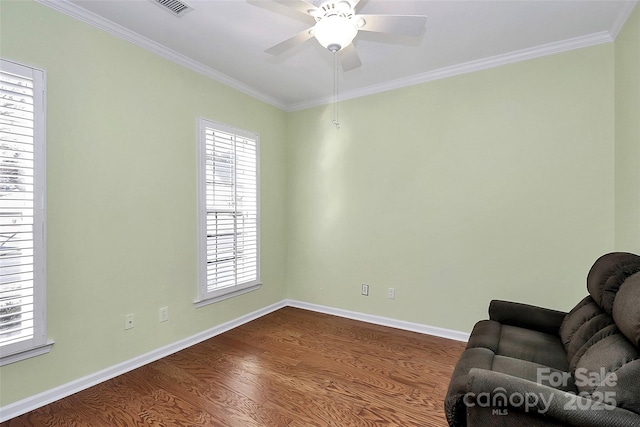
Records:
x=582, y=327
x=607, y=275
x=610, y=371
x=604, y=350
x=626, y=309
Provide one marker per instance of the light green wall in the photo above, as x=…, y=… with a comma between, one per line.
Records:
x=496, y=184
x=121, y=182
x=628, y=135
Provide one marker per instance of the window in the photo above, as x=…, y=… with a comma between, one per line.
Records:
x=22, y=213
x=229, y=212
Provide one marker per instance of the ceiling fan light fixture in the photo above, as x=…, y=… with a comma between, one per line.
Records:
x=335, y=30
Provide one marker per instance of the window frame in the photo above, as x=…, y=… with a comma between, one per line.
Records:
x=37, y=344
x=206, y=296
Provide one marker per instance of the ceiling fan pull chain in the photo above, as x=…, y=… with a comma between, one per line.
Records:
x=336, y=122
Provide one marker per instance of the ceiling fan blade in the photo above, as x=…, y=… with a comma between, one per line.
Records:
x=349, y=58
x=409, y=25
x=290, y=43
x=299, y=5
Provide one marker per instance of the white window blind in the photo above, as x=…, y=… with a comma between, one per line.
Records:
x=22, y=204
x=229, y=210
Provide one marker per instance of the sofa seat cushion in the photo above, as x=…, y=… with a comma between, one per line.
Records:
x=519, y=343
x=484, y=358
x=534, y=372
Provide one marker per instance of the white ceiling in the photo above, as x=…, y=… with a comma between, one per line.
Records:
x=226, y=39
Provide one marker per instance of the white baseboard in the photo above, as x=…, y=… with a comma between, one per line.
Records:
x=383, y=321
x=36, y=401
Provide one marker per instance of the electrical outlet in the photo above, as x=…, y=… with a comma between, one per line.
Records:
x=365, y=290
x=164, y=314
x=391, y=293
x=129, y=321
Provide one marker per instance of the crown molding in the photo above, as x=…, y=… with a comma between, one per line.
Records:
x=70, y=9
x=618, y=22
x=465, y=68
x=77, y=12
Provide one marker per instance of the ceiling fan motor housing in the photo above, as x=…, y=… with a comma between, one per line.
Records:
x=330, y=7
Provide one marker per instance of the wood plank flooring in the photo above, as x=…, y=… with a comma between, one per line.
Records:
x=289, y=368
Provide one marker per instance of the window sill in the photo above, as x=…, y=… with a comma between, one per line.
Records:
x=233, y=293
x=26, y=354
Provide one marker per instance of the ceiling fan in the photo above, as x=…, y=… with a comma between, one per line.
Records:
x=337, y=24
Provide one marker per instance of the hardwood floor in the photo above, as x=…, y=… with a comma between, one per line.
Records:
x=289, y=368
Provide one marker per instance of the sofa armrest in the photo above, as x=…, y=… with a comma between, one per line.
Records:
x=543, y=402
x=526, y=316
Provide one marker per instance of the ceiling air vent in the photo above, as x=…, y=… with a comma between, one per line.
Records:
x=175, y=7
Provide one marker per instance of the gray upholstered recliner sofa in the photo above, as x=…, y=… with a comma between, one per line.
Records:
x=530, y=366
